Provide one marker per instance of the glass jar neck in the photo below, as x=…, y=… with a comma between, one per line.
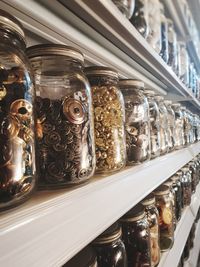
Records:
x=11, y=39
x=102, y=80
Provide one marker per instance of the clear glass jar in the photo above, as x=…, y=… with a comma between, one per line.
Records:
x=109, y=119
x=171, y=124
x=154, y=124
x=165, y=209
x=85, y=258
x=140, y=17
x=126, y=7
x=186, y=186
x=172, y=46
x=191, y=78
x=153, y=219
x=65, y=132
x=164, y=53
x=196, y=127
x=186, y=126
x=17, y=128
x=110, y=248
x=179, y=122
x=192, y=137
x=154, y=36
x=164, y=147
x=136, y=237
x=176, y=185
x=137, y=123
x=193, y=169
x=184, y=64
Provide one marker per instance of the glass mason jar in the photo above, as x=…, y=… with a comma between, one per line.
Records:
x=154, y=124
x=165, y=209
x=186, y=126
x=172, y=46
x=169, y=183
x=109, y=119
x=186, y=186
x=137, y=123
x=164, y=146
x=140, y=17
x=126, y=7
x=136, y=237
x=65, y=133
x=110, y=249
x=196, y=127
x=85, y=258
x=171, y=124
x=176, y=185
x=154, y=20
x=192, y=137
x=193, y=171
x=184, y=63
x=179, y=122
x=17, y=128
x=153, y=219
x=164, y=53
x=191, y=78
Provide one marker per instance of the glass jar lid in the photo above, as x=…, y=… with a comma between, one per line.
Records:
x=109, y=235
x=136, y=213
x=161, y=190
x=148, y=200
x=101, y=71
x=131, y=82
x=10, y=23
x=54, y=49
x=85, y=258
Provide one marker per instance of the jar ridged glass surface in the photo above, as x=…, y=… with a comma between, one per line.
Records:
x=154, y=124
x=137, y=124
x=65, y=132
x=153, y=219
x=164, y=146
x=109, y=119
x=178, y=195
x=179, y=132
x=171, y=124
x=126, y=7
x=17, y=96
x=110, y=249
x=164, y=35
x=136, y=237
x=172, y=46
x=165, y=209
x=186, y=186
x=193, y=169
x=186, y=126
x=184, y=63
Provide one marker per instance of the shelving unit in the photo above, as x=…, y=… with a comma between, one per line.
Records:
x=53, y=226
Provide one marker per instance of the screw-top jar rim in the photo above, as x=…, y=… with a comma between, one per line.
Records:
x=159, y=98
x=168, y=102
x=110, y=235
x=134, y=214
x=148, y=200
x=54, y=49
x=169, y=182
x=86, y=257
x=101, y=71
x=10, y=23
x=149, y=92
x=161, y=190
x=131, y=82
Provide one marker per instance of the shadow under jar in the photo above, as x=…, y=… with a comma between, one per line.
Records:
x=137, y=123
x=154, y=124
x=136, y=237
x=109, y=119
x=85, y=258
x=110, y=248
x=17, y=146
x=65, y=133
x=165, y=209
x=153, y=219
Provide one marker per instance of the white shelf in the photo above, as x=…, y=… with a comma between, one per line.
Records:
x=105, y=37
x=53, y=226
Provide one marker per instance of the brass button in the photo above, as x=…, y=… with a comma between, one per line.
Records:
x=10, y=127
x=3, y=91
x=74, y=111
x=22, y=108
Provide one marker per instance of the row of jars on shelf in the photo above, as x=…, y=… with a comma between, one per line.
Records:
x=190, y=242
x=148, y=17
x=139, y=237
x=80, y=120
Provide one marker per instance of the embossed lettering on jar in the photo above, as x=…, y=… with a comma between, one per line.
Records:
x=137, y=123
x=110, y=248
x=17, y=146
x=136, y=237
x=109, y=119
x=65, y=131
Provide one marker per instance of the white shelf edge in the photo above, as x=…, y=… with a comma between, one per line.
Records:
x=69, y=219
